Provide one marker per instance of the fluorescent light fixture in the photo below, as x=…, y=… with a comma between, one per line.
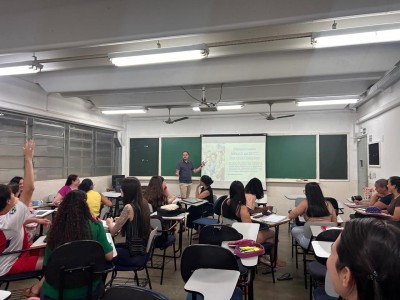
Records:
x=222, y=107
x=160, y=55
x=26, y=67
x=347, y=39
x=326, y=102
x=124, y=111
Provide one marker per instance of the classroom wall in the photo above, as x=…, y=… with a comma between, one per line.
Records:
x=25, y=97
x=384, y=128
x=316, y=122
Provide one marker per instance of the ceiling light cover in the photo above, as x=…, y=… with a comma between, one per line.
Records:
x=26, y=67
x=124, y=111
x=222, y=107
x=161, y=55
x=356, y=38
x=327, y=102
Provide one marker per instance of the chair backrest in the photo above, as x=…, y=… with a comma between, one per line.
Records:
x=218, y=204
x=75, y=264
x=307, y=229
x=329, y=235
x=215, y=198
x=156, y=222
x=206, y=256
x=216, y=234
x=126, y=292
x=150, y=241
x=334, y=203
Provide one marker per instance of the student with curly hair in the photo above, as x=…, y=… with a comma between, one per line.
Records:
x=73, y=222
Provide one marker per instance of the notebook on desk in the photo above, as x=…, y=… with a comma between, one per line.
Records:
x=192, y=200
x=273, y=218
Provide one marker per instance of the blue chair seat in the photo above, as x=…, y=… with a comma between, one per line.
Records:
x=205, y=221
x=317, y=271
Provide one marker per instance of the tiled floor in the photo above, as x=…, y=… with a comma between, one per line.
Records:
x=263, y=286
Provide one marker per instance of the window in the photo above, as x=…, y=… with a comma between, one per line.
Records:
x=61, y=148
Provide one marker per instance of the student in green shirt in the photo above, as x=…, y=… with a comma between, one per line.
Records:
x=73, y=222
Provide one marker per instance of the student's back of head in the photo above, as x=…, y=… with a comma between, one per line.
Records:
x=254, y=187
x=154, y=192
x=86, y=185
x=71, y=221
x=316, y=206
x=368, y=253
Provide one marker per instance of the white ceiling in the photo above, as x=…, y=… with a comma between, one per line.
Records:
x=73, y=38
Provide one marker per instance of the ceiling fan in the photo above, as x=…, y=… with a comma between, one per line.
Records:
x=170, y=121
x=270, y=117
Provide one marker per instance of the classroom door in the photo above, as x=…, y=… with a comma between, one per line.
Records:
x=362, y=164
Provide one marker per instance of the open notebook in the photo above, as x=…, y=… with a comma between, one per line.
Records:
x=273, y=218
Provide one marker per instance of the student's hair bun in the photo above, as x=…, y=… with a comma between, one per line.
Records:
x=207, y=180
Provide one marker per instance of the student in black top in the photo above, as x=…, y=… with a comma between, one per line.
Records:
x=203, y=191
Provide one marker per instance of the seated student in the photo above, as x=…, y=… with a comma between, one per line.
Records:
x=382, y=197
x=364, y=262
x=157, y=193
x=19, y=181
x=235, y=208
x=394, y=206
x=203, y=191
x=314, y=209
x=94, y=199
x=134, y=222
x=31, y=222
x=73, y=222
x=13, y=214
x=71, y=184
x=254, y=191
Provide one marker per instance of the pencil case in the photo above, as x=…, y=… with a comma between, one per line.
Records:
x=247, y=248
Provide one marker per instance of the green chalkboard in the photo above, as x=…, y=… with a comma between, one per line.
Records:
x=143, y=157
x=171, y=152
x=333, y=156
x=291, y=156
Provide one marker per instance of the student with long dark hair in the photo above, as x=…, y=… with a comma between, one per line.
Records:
x=71, y=184
x=94, y=199
x=364, y=263
x=134, y=222
x=314, y=209
x=394, y=206
x=154, y=193
x=235, y=208
x=254, y=190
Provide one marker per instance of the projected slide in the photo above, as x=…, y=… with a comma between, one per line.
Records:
x=230, y=158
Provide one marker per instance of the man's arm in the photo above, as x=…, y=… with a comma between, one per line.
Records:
x=26, y=196
x=203, y=163
x=177, y=172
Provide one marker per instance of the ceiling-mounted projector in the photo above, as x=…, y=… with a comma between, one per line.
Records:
x=205, y=107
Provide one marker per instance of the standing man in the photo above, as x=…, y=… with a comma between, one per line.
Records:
x=184, y=170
